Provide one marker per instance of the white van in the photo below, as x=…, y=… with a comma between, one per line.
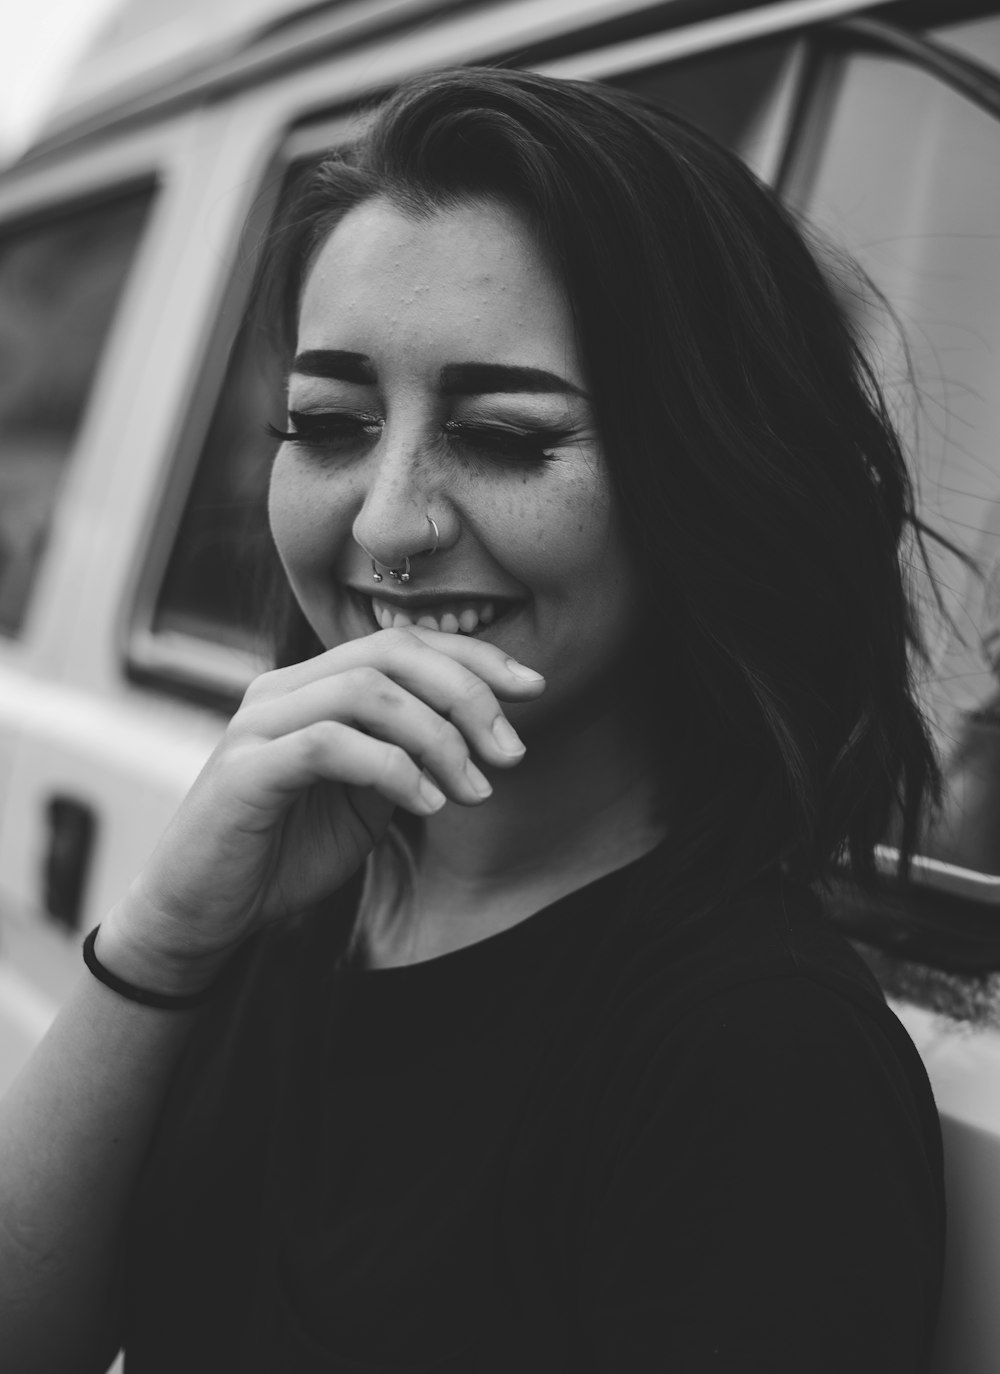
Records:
x=132, y=451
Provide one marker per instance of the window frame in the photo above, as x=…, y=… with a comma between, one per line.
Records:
x=189, y=666
x=53, y=214
x=41, y=192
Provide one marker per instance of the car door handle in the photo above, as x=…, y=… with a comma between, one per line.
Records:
x=72, y=827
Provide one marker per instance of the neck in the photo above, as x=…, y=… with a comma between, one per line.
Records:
x=582, y=802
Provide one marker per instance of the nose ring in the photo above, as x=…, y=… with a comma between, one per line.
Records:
x=403, y=574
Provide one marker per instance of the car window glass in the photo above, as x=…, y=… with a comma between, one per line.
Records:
x=60, y=281
x=905, y=176
x=727, y=94
x=978, y=39
x=216, y=573
x=907, y=179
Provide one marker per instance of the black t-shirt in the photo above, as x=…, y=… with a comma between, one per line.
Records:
x=607, y=1139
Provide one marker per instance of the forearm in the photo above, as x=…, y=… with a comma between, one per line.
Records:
x=74, y=1127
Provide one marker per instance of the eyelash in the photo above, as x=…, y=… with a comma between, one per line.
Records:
x=325, y=430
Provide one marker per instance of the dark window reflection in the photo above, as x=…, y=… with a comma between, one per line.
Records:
x=60, y=281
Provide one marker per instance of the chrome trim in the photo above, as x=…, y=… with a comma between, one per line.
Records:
x=294, y=40
x=129, y=158
x=943, y=877
x=316, y=137
x=979, y=84
x=175, y=657
x=690, y=40
x=456, y=37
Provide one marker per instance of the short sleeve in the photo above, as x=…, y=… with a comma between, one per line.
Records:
x=770, y=1196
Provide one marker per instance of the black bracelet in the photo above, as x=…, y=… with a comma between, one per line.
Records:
x=164, y=1001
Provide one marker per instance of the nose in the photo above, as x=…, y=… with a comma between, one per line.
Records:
x=404, y=513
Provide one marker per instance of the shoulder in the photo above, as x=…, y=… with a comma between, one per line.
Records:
x=763, y=1163
x=754, y=1054
x=665, y=958
x=754, y=1001
x=798, y=1054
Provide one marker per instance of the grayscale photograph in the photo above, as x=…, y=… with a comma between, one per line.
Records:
x=500, y=687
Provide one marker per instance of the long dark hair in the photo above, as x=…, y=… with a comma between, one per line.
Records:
x=757, y=474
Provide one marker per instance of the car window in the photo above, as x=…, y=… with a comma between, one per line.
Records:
x=60, y=280
x=727, y=94
x=214, y=579
x=210, y=590
x=905, y=175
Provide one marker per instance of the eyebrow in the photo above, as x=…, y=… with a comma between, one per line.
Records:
x=479, y=379
x=456, y=379
x=335, y=364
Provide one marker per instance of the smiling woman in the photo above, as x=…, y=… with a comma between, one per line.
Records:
x=437, y=379
x=525, y=1042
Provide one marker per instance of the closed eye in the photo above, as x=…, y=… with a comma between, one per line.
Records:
x=329, y=429
x=505, y=445
x=325, y=428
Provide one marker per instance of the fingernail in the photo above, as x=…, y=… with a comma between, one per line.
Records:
x=476, y=780
x=525, y=674
x=506, y=736
x=431, y=793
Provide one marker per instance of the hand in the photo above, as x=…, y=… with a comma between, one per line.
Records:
x=303, y=784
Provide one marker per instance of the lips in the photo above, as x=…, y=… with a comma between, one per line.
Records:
x=431, y=599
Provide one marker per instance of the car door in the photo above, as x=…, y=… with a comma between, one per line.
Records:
x=896, y=160
x=109, y=267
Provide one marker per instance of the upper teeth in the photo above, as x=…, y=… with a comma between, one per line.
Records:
x=459, y=618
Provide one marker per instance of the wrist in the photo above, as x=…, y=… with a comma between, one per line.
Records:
x=131, y=992
x=136, y=952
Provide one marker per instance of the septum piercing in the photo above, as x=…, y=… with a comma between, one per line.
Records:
x=403, y=574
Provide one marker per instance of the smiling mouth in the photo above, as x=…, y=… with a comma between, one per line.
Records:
x=462, y=616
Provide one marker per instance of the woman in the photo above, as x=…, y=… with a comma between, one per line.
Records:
x=475, y=1012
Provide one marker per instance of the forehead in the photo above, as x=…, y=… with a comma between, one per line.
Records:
x=470, y=277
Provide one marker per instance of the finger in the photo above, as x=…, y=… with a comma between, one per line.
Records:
x=460, y=681
x=368, y=700
x=463, y=681
x=508, y=678
x=329, y=751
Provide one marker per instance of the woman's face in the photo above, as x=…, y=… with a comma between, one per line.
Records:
x=437, y=375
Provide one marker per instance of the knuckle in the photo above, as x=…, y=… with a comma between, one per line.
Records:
x=366, y=679
x=473, y=691
x=396, y=764
x=401, y=637
x=262, y=688
x=445, y=737
x=315, y=740
x=227, y=768
x=376, y=690
x=247, y=720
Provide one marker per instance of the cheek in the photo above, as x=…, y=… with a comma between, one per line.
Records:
x=296, y=516
x=562, y=531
